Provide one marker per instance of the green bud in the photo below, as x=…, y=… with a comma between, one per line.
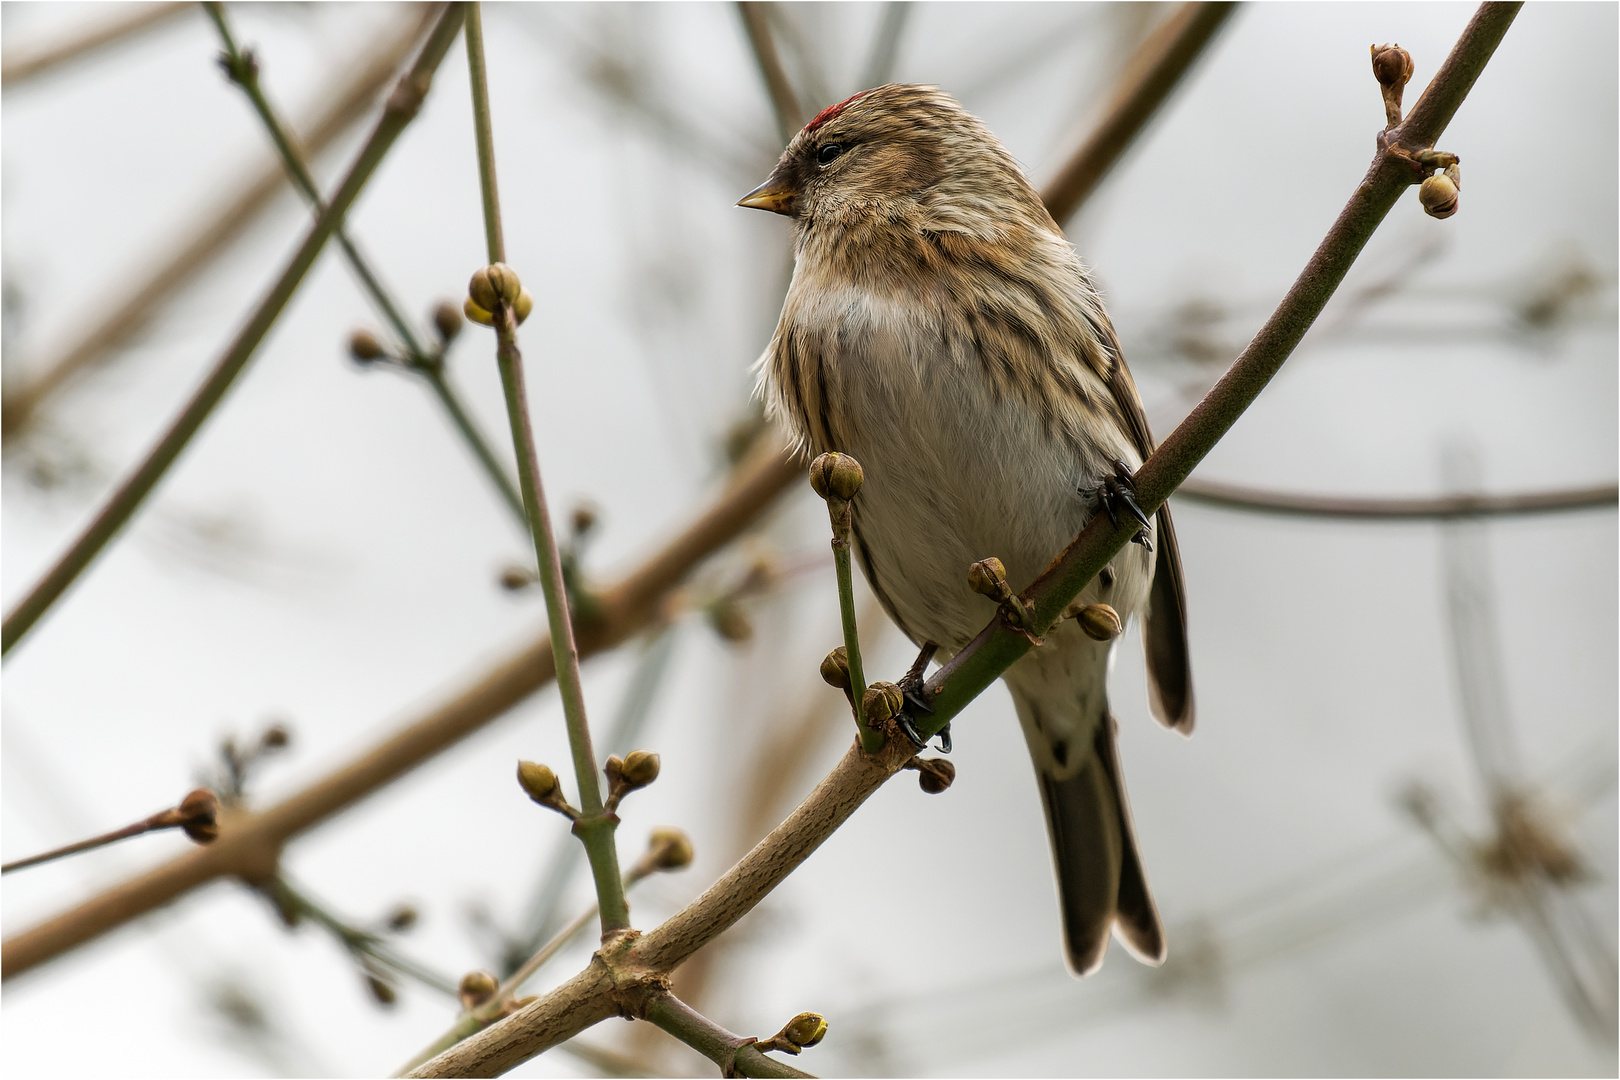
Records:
x=478, y=314
x=988, y=577
x=504, y=280
x=537, y=780
x=836, y=476
x=671, y=848
x=835, y=668
x=476, y=988
x=447, y=321
x=1100, y=622
x=805, y=1030
x=523, y=305
x=640, y=768
x=481, y=290
x=881, y=701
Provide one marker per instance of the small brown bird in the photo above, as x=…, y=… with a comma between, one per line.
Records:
x=941, y=330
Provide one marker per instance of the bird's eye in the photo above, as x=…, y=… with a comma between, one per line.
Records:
x=825, y=155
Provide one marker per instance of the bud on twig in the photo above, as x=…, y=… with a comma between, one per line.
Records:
x=1392, y=67
x=803, y=1031
x=364, y=347
x=476, y=988
x=882, y=701
x=1100, y=622
x=515, y=578
x=988, y=577
x=835, y=668
x=1439, y=194
x=447, y=321
x=640, y=768
x=669, y=849
x=522, y=305
x=199, y=816
x=836, y=476
x=381, y=992
x=402, y=918
x=730, y=621
x=540, y=784
x=934, y=775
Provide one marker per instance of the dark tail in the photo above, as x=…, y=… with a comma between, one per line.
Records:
x=1099, y=874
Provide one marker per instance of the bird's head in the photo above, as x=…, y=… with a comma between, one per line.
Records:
x=888, y=153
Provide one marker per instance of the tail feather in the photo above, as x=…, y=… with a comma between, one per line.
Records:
x=1099, y=872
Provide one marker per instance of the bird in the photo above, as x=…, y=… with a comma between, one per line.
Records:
x=940, y=329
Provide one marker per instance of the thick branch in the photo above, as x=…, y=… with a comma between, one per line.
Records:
x=352, y=99
x=28, y=63
x=655, y=953
x=1149, y=76
x=1445, y=507
x=785, y=104
x=249, y=844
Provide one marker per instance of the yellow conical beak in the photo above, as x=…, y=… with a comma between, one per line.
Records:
x=772, y=195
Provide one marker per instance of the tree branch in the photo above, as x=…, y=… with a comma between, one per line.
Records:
x=115, y=514
x=29, y=63
x=123, y=319
x=735, y=1055
x=250, y=843
x=1442, y=508
x=1157, y=66
x=789, y=115
x=645, y=961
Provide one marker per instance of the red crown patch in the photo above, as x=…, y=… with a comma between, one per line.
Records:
x=830, y=111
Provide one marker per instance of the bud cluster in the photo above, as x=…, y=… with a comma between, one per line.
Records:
x=635, y=770
x=493, y=288
x=837, y=478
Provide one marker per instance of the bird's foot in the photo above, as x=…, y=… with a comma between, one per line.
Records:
x=1118, y=492
x=916, y=701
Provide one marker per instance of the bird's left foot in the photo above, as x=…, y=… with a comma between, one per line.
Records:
x=1118, y=492
x=916, y=698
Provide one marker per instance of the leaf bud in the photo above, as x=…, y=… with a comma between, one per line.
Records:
x=1392, y=65
x=482, y=291
x=199, y=816
x=731, y=622
x=935, y=774
x=671, y=849
x=402, y=918
x=364, y=347
x=504, y=280
x=522, y=305
x=805, y=1030
x=640, y=768
x=275, y=737
x=1438, y=196
x=477, y=314
x=476, y=988
x=584, y=519
x=537, y=780
x=882, y=701
x=836, y=476
x=1100, y=622
x=381, y=992
x=988, y=577
x=514, y=577
x=835, y=668
x=447, y=321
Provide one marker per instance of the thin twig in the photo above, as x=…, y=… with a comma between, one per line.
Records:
x=243, y=69
x=1445, y=507
x=595, y=825
x=606, y=985
x=196, y=814
x=250, y=844
x=401, y=109
x=29, y=63
x=789, y=116
x=1156, y=68
x=125, y=317
x=287, y=898
x=735, y=1055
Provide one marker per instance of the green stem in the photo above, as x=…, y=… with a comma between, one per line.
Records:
x=871, y=738
x=735, y=1055
x=356, y=940
x=244, y=72
x=596, y=825
x=402, y=107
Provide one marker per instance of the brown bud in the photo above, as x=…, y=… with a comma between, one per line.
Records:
x=935, y=774
x=613, y=768
x=671, y=848
x=1438, y=196
x=731, y=622
x=805, y=1030
x=402, y=918
x=1392, y=65
x=504, y=280
x=515, y=577
x=988, y=577
x=881, y=701
x=523, y=305
x=365, y=348
x=275, y=737
x=835, y=668
x=447, y=321
x=482, y=292
x=477, y=313
x=537, y=780
x=1100, y=622
x=476, y=988
x=381, y=992
x=836, y=476
x=199, y=816
x=584, y=519
x=640, y=768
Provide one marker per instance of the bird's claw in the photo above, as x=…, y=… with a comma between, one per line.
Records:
x=909, y=730
x=1119, y=490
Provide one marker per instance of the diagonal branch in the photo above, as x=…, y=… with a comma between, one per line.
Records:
x=1156, y=68
x=1442, y=508
x=645, y=961
x=789, y=114
x=400, y=110
x=28, y=63
x=125, y=317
